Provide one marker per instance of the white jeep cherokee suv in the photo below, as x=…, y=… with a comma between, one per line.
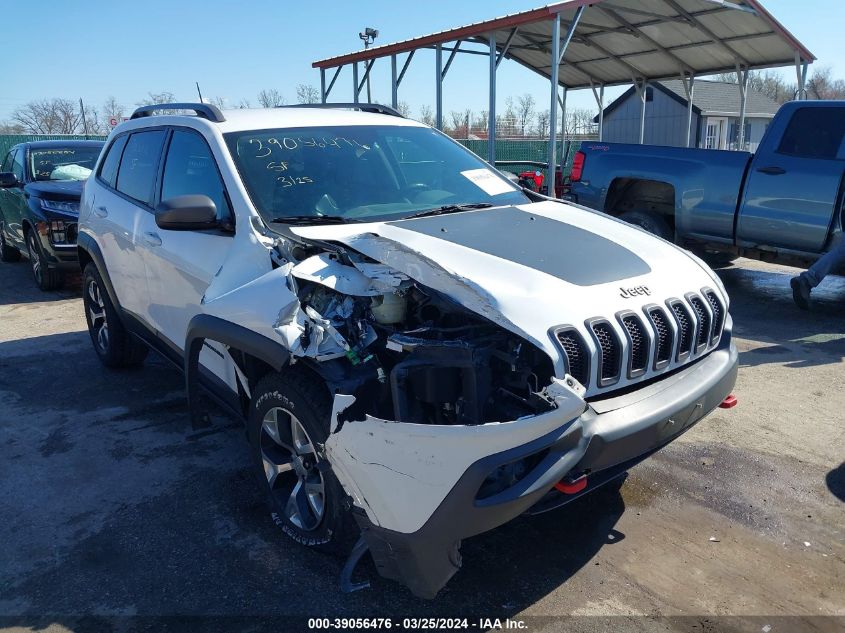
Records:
x=420, y=350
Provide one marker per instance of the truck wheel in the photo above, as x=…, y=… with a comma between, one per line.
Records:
x=287, y=427
x=114, y=345
x=7, y=253
x=649, y=221
x=46, y=278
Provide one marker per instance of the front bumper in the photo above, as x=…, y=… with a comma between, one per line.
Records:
x=611, y=436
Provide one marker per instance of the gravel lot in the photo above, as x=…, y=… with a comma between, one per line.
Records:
x=111, y=506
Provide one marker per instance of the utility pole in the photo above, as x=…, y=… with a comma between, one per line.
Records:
x=199, y=92
x=84, y=121
x=369, y=36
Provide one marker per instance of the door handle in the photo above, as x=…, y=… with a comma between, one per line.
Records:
x=772, y=171
x=101, y=212
x=152, y=239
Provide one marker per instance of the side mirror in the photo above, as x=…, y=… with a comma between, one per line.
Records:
x=187, y=213
x=8, y=179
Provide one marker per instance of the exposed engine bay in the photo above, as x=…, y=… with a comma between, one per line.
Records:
x=407, y=352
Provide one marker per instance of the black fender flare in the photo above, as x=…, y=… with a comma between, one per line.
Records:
x=87, y=244
x=205, y=326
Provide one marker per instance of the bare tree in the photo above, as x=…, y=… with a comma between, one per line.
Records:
x=426, y=115
x=158, y=98
x=49, y=116
x=404, y=108
x=112, y=110
x=822, y=85
x=270, y=98
x=525, y=107
x=220, y=102
x=769, y=82
x=481, y=121
x=541, y=125
x=306, y=93
x=11, y=128
x=244, y=104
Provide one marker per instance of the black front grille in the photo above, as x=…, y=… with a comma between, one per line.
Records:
x=718, y=314
x=577, y=358
x=685, y=330
x=639, y=341
x=704, y=322
x=663, y=336
x=610, y=353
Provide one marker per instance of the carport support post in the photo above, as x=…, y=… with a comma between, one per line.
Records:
x=801, y=73
x=599, y=97
x=642, y=91
x=394, y=84
x=354, y=82
x=555, y=75
x=438, y=117
x=743, y=96
x=557, y=53
x=323, y=85
x=491, y=107
x=689, y=88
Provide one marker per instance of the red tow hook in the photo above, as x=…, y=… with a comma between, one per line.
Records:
x=571, y=487
x=729, y=403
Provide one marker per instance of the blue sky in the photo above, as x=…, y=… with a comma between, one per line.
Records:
x=234, y=49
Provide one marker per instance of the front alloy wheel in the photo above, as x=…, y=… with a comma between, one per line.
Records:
x=45, y=277
x=97, y=313
x=292, y=469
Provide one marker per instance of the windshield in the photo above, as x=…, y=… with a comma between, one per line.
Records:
x=63, y=163
x=362, y=173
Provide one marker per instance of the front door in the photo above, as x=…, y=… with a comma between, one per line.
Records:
x=794, y=182
x=182, y=264
x=12, y=199
x=716, y=133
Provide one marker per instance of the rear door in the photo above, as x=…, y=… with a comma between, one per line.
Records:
x=123, y=212
x=794, y=181
x=181, y=264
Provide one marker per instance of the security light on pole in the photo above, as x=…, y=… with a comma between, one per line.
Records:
x=368, y=36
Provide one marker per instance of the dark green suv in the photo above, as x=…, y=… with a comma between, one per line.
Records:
x=40, y=187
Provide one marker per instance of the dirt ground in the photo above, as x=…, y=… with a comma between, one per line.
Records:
x=116, y=516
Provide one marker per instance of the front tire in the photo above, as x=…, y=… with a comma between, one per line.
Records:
x=287, y=428
x=651, y=222
x=7, y=253
x=114, y=345
x=45, y=278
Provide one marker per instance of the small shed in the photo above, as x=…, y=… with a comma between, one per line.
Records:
x=716, y=111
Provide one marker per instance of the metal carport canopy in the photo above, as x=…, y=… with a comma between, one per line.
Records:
x=605, y=43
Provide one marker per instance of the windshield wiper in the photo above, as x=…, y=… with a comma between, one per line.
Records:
x=451, y=208
x=299, y=220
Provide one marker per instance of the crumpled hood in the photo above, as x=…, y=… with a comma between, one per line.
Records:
x=529, y=268
x=66, y=190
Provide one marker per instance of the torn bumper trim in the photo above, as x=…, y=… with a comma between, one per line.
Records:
x=603, y=444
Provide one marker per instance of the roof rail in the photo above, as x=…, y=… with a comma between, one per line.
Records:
x=363, y=107
x=202, y=110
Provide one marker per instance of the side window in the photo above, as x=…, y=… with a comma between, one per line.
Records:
x=139, y=165
x=7, y=162
x=108, y=169
x=814, y=133
x=18, y=165
x=190, y=169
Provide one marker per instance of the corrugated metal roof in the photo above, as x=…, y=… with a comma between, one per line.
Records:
x=617, y=41
x=715, y=97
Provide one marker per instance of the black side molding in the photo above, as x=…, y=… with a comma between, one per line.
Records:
x=202, y=110
x=205, y=326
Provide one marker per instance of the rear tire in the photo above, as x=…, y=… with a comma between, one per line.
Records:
x=45, y=278
x=7, y=253
x=288, y=425
x=115, y=346
x=651, y=222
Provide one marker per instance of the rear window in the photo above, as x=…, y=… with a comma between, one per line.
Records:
x=108, y=171
x=814, y=133
x=139, y=165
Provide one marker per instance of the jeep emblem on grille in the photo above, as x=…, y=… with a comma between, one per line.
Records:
x=627, y=293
